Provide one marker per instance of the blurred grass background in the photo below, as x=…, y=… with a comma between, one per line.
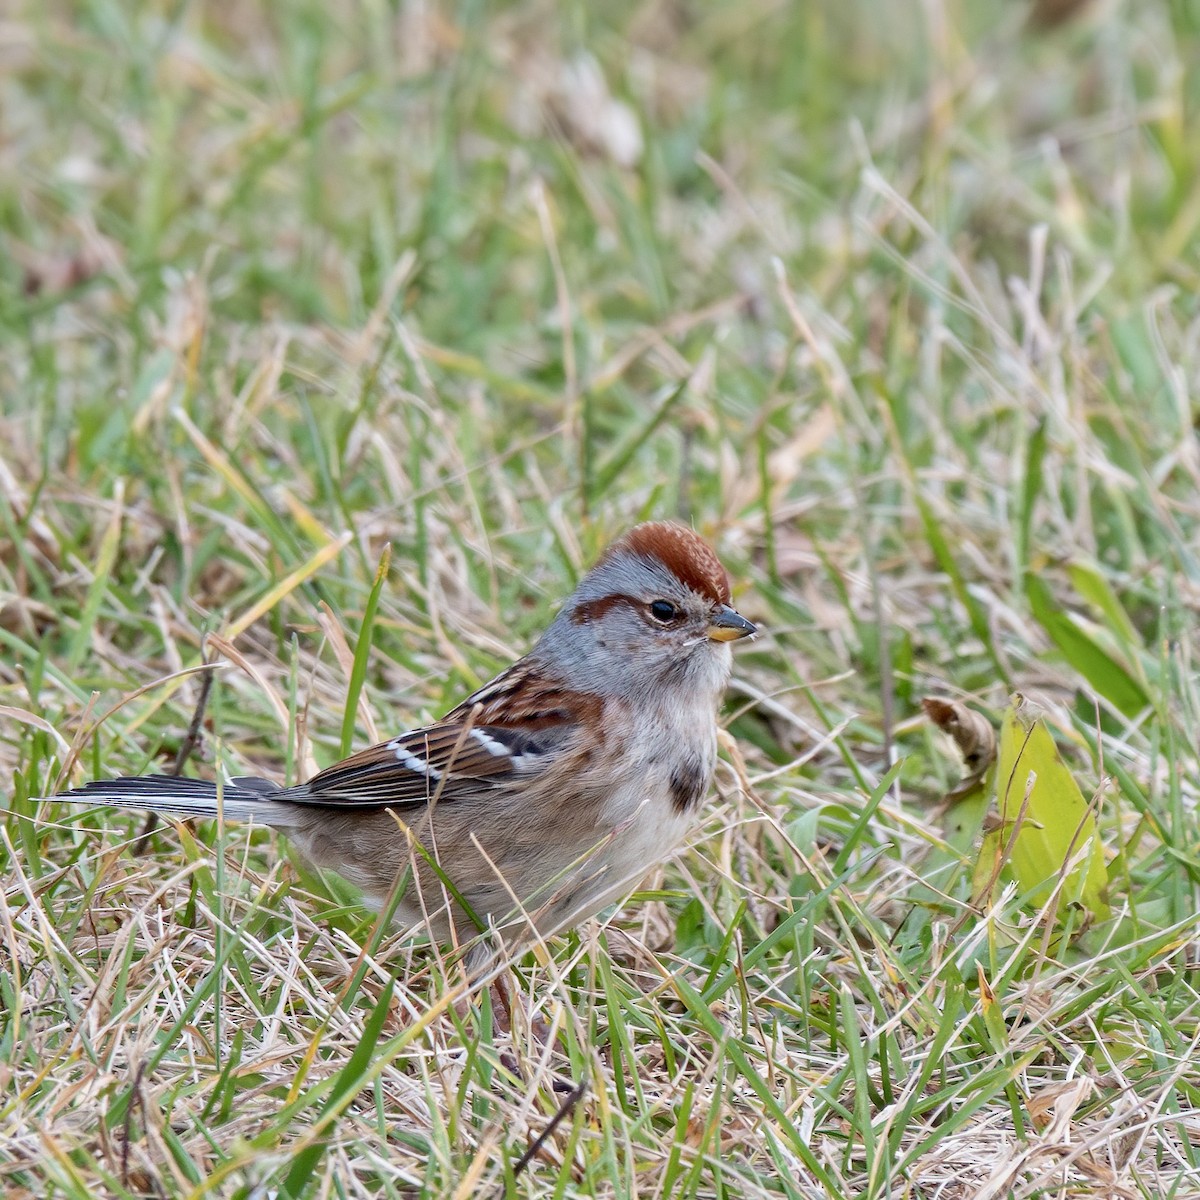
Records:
x=897, y=303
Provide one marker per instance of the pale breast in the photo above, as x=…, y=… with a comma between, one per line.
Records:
x=655, y=801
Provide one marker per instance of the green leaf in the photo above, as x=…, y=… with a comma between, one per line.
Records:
x=1097, y=591
x=993, y=1015
x=350, y=1080
x=1049, y=830
x=1110, y=678
x=940, y=546
x=98, y=589
x=362, y=651
x=608, y=472
x=1031, y=487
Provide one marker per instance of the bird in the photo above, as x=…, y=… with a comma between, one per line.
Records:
x=546, y=794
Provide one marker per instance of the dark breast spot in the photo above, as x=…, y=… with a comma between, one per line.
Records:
x=689, y=782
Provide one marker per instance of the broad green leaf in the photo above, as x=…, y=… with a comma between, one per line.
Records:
x=1055, y=827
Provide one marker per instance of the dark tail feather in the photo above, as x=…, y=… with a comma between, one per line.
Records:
x=243, y=799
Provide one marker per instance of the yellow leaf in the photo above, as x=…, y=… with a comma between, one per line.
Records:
x=1046, y=825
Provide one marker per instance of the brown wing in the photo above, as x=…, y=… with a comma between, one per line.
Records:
x=509, y=731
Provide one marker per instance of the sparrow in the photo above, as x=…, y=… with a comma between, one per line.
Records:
x=545, y=795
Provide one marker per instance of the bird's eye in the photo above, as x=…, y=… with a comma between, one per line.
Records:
x=664, y=611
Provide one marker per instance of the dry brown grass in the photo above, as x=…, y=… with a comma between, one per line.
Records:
x=285, y=286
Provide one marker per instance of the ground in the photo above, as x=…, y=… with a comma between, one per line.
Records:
x=896, y=303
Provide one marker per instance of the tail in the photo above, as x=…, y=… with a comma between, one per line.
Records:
x=242, y=799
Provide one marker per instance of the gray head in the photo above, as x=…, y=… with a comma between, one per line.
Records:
x=653, y=612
